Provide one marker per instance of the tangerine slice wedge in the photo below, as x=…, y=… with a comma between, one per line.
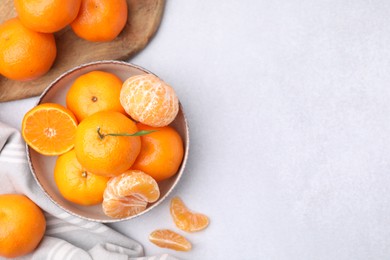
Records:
x=49, y=129
x=169, y=239
x=185, y=219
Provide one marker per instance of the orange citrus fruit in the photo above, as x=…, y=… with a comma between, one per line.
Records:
x=98, y=151
x=93, y=92
x=47, y=16
x=49, y=129
x=24, y=53
x=22, y=225
x=129, y=193
x=168, y=239
x=149, y=100
x=161, y=152
x=76, y=184
x=185, y=219
x=100, y=20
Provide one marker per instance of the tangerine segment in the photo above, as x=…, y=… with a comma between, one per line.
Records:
x=49, y=129
x=161, y=152
x=22, y=225
x=100, y=20
x=149, y=100
x=129, y=193
x=102, y=154
x=185, y=219
x=25, y=54
x=93, y=92
x=76, y=184
x=168, y=239
x=47, y=16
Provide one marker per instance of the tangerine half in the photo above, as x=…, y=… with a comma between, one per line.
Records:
x=49, y=129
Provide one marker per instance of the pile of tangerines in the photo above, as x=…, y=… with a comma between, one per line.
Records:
x=27, y=44
x=115, y=145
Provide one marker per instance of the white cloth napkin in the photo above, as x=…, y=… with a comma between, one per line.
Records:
x=67, y=237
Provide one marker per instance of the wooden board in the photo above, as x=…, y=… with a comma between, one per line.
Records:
x=144, y=19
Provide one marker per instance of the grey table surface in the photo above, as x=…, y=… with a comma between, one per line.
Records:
x=288, y=106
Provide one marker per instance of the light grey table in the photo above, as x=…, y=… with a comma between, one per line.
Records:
x=288, y=103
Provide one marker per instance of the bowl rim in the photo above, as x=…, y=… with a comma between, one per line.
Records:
x=178, y=174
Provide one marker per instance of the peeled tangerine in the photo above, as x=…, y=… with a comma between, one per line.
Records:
x=129, y=193
x=149, y=100
x=185, y=219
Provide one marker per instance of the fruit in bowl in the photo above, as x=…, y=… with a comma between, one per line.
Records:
x=105, y=144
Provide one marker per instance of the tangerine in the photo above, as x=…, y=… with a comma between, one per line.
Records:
x=161, y=152
x=129, y=193
x=24, y=53
x=169, y=239
x=185, y=219
x=76, y=184
x=100, y=20
x=49, y=129
x=47, y=16
x=101, y=145
x=149, y=100
x=22, y=225
x=93, y=92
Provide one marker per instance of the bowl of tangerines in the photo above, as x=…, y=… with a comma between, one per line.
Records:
x=107, y=141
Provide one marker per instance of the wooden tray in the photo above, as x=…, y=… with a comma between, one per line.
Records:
x=144, y=19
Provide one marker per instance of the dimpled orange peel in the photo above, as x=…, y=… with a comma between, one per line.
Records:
x=103, y=145
x=129, y=193
x=76, y=184
x=25, y=54
x=149, y=100
x=47, y=16
x=161, y=152
x=93, y=92
x=22, y=225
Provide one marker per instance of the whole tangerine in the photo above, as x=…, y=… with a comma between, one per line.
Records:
x=25, y=54
x=93, y=92
x=149, y=100
x=47, y=16
x=161, y=152
x=22, y=225
x=100, y=20
x=75, y=183
x=101, y=145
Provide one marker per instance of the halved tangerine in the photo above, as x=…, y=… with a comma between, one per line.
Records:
x=169, y=239
x=49, y=129
x=185, y=219
x=129, y=193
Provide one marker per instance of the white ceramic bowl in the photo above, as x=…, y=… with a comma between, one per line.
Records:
x=42, y=167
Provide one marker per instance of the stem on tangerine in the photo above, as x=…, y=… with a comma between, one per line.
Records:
x=139, y=133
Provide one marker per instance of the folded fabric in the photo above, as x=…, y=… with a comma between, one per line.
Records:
x=66, y=237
